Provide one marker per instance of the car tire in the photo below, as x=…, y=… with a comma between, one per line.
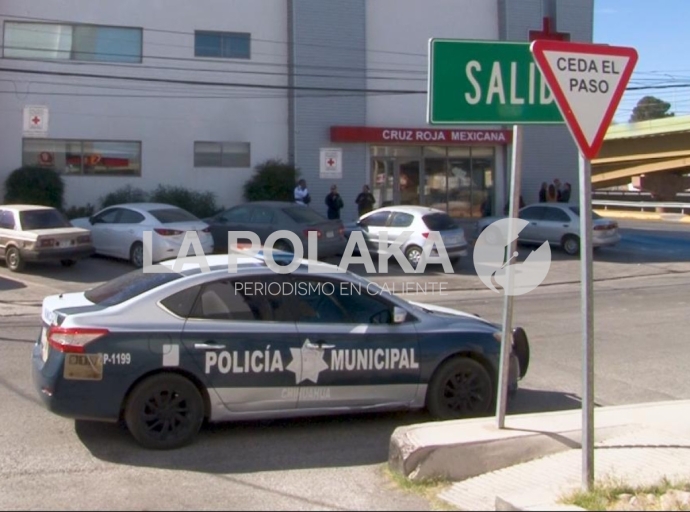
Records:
x=413, y=254
x=455, y=260
x=136, y=254
x=460, y=388
x=571, y=245
x=151, y=419
x=282, y=245
x=14, y=260
x=68, y=263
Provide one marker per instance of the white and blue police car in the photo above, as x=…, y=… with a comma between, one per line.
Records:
x=166, y=349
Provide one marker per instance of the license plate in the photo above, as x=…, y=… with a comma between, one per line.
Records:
x=329, y=234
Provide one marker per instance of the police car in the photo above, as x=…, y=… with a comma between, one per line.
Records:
x=182, y=343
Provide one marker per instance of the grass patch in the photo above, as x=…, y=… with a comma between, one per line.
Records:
x=428, y=488
x=606, y=493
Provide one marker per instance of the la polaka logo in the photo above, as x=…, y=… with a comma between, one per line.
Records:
x=491, y=260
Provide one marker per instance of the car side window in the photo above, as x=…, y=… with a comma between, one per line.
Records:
x=181, y=303
x=240, y=214
x=220, y=300
x=261, y=215
x=108, y=217
x=376, y=219
x=7, y=219
x=556, y=215
x=130, y=217
x=532, y=213
x=332, y=301
x=401, y=220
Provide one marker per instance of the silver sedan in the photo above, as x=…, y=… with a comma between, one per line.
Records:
x=559, y=224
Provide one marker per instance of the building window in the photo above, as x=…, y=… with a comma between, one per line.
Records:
x=95, y=43
x=227, y=45
x=84, y=157
x=222, y=154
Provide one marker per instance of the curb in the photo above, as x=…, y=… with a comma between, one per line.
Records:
x=623, y=214
x=506, y=506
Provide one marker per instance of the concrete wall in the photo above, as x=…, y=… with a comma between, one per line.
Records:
x=167, y=128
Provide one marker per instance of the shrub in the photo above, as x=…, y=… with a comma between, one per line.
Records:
x=35, y=185
x=126, y=194
x=75, y=212
x=273, y=180
x=201, y=204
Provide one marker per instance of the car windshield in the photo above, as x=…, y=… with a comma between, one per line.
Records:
x=576, y=211
x=128, y=286
x=439, y=221
x=172, y=215
x=43, y=219
x=303, y=215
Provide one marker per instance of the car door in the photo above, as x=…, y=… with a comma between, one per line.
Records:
x=372, y=225
x=125, y=231
x=555, y=224
x=352, y=354
x=533, y=231
x=242, y=342
x=7, y=225
x=103, y=232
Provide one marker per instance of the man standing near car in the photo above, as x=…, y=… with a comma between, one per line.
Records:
x=302, y=193
x=365, y=201
x=334, y=203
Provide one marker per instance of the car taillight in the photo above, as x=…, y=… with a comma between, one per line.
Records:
x=73, y=340
x=85, y=239
x=317, y=231
x=168, y=232
x=341, y=231
x=604, y=227
x=207, y=230
x=46, y=242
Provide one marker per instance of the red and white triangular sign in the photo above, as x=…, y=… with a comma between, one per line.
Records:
x=588, y=82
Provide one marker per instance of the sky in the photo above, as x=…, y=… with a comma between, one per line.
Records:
x=660, y=32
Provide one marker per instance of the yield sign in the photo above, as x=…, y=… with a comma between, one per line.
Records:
x=588, y=82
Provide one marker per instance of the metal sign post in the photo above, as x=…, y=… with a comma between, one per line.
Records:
x=507, y=338
x=587, y=300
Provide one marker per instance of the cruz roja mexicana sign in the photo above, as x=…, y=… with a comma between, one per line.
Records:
x=487, y=82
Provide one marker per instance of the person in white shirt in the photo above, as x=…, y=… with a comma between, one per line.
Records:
x=302, y=193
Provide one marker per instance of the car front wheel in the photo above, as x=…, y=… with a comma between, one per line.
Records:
x=164, y=412
x=136, y=254
x=571, y=245
x=460, y=388
x=14, y=260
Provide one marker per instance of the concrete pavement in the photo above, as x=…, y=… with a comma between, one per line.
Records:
x=536, y=460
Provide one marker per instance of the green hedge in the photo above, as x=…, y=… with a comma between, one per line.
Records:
x=35, y=185
x=273, y=180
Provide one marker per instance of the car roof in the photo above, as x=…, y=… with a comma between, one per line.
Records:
x=144, y=206
x=25, y=207
x=274, y=204
x=419, y=210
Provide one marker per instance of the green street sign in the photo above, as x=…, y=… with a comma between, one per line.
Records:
x=487, y=82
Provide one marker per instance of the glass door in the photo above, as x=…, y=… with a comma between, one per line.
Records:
x=382, y=179
x=408, y=180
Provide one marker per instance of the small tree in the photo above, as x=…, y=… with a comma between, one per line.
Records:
x=35, y=185
x=273, y=180
x=649, y=108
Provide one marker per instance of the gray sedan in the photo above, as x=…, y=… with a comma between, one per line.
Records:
x=559, y=224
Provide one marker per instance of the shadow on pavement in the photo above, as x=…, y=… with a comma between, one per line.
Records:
x=247, y=447
x=95, y=269
x=10, y=284
x=529, y=401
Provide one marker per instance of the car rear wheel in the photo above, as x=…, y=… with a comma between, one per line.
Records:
x=164, y=412
x=136, y=254
x=460, y=388
x=413, y=255
x=571, y=244
x=67, y=263
x=13, y=259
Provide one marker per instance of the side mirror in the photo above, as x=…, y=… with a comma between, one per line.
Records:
x=399, y=315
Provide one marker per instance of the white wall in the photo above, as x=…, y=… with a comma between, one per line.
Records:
x=166, y=127
x=398, y=33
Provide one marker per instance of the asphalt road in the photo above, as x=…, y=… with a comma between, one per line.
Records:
x=642, y=349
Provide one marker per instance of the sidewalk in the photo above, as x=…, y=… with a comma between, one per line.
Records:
x=628, y=214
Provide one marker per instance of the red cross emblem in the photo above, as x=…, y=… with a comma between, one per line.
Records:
x=330, y=162
x=36, y=120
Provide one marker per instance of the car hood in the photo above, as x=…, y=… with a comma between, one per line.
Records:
x=453, y=312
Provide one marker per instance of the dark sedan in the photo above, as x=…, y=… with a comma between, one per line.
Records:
x=267, y=217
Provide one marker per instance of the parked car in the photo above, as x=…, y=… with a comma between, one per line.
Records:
x=239, y=346
x=118, y=231
x=559, y=224
x=421, y=220
x=266, y=217
x=32, y=233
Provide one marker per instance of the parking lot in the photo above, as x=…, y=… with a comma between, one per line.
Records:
x=641, y=335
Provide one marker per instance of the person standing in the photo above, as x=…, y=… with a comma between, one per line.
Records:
x=334, y=203
x=302, y=193
x=543, y=192
x=365, y=201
